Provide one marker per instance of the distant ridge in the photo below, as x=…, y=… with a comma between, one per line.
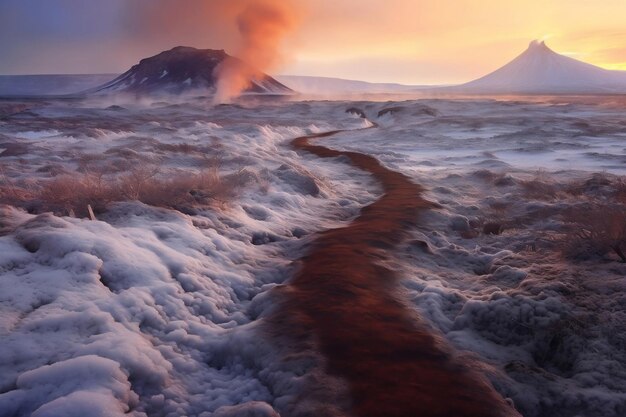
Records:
x=49, y=84
x=332, y=86
x=540, y=70
x=179, y=70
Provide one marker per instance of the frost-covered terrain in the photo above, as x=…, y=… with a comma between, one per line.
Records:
x=148, y=310
x=548, y=331
x=161, y=312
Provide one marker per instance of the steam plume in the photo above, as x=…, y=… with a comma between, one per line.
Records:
x=262, y=25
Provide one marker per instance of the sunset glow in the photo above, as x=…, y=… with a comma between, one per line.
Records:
x=453, y=41
x=344, y=208
x=409, y=41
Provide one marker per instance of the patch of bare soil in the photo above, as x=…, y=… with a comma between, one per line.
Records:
x=394, y=364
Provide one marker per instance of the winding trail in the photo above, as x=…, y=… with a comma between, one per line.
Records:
x=394, y=364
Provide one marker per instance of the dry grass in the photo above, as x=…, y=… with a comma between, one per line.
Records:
x=11, y=191
x=596, y=230
x=596, y=185
x=72, y=194
x=541, y=187
x=184, y=148
x=620, y=191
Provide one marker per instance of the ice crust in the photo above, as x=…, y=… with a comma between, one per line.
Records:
x=545, y=330
x=148, y=311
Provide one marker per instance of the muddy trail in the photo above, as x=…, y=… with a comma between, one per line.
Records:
x=393, y=363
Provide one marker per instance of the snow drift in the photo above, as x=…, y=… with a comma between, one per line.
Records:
x=148, y=311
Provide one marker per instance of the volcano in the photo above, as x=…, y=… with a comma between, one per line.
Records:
x=184, y=69
x=540, y=70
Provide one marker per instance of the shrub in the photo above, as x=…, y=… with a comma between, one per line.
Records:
x=11, y=192
x=181, y=191
x=493, y=228
x=596, y=230
x=620, y=191
x=596, y=186
x=72, y=194
x=540, y=187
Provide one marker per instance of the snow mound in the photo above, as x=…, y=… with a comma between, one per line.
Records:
x=148, y=311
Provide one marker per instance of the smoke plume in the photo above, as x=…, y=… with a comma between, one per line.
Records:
x=262, y=26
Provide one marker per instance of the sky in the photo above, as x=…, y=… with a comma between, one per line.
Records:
x=404, y=41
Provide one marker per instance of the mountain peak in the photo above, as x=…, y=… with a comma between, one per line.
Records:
x=536, y=43
x=539, y=69
x=539, y=46
x=182, y=69
x=192, y=50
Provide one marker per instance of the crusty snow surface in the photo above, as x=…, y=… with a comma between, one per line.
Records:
x=149, y=311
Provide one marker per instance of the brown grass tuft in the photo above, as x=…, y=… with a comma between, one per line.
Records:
x=596, y=231
x=68, y=194
x=540, y=187
x=620, y=191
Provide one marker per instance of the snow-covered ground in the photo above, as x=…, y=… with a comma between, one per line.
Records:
x=149, y=311
x=548, y=332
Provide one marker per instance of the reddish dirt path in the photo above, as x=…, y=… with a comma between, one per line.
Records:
x=394, y=365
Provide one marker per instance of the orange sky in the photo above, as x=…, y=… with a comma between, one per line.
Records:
x=405, y=41
x=429, y=41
